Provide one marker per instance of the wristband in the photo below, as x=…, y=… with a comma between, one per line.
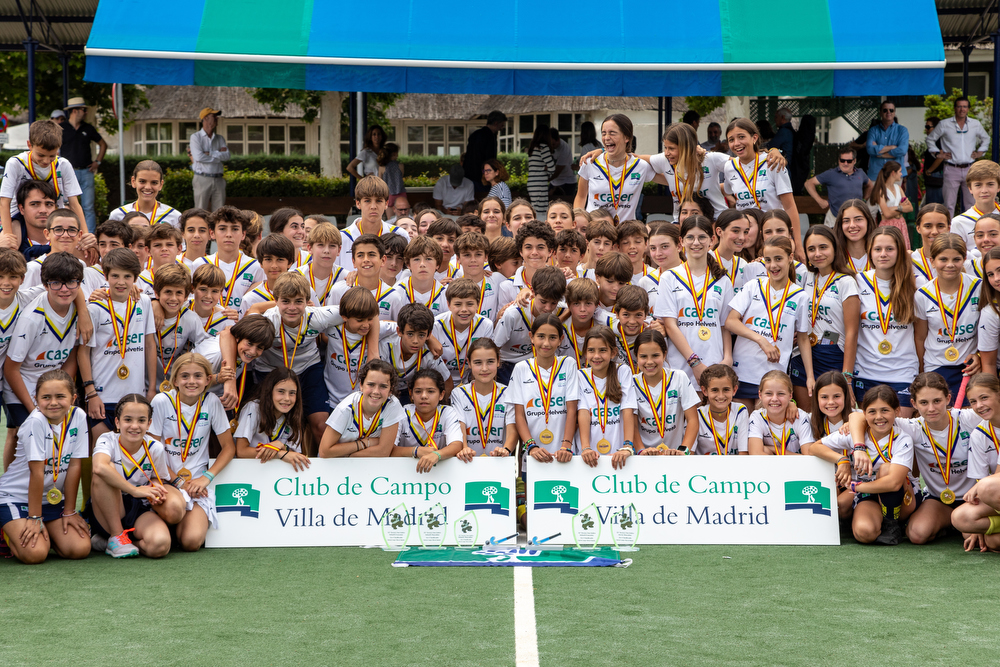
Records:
x=566, y=449
x=844, y=460
x=683, y=448
x=283, y=454
x=531, y=444
x=88, y=383
x=853, y=486
x=694, y=360
x=860, y=447
x=70, y=514
x=36, y=518
x=848, y=374
x=211, y=477
x=439, y=456
x=569, y=441
x=415, y=450
x=177, y=482
x=629, y=449
x=629, y=443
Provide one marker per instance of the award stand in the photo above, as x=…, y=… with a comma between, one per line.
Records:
x=587, y=528
x=625, y=529
x=432, y=527
x=396, y=529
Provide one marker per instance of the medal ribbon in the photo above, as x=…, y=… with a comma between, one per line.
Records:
x=452, y=335
x=948, y=451
x=775, y=324
x=602, y=401
x=627, y=169
x=122, y=339
x=780, y=446
x=735, y=270
x=237, y=270
x=750, y=183
x=571, y=334
x=628, y=352
x=358, y=417
x=883, y=318
x=659, y=412
x=362, y=344
x=135, y=463
x=295, y=348
x=884, y=454
x=63, y=428
x=818, y=295
x=700, y=299
x=52, y=173
x=543, y=389
x=428, y=434
x=952, y=331
x=182, y=423
x=159, y=343
x=721, y=443
x=408, y=288
x=326, y=291
x=485, y=428
x=923, y=265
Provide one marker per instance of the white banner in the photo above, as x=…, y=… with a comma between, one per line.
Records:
x=685, y=500
x=352, y=502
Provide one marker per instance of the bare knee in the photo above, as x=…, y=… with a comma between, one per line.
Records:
x=918, y=533
x=156, y=545
x=33, y=556
x=191, y=543
x=172, y=510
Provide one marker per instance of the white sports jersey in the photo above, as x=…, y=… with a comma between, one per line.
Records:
x=755, y=185
x=381, y=296
x=860, y=264
x=648, y=280
x=249, y=427
x=322, y=289
x=989, y=330
x=489, y=289
x=712, y=166
x=211, y=350
x=661, y=408
x=389, y=351
x=626, y=181
x=203, y=418
x=298, y=342
x=613, y=430
x=456, y=344
x=729, y=437
x=177, y=334
x=19, y=169
x=42, y=341
x=9, y=315
x=160, y=213
x=513, y=334
x=525, y=392
x=964, y=225
x=346, y=416
x=413, y=433
x=241, y=275
x=92, y=278
x=790, y=318
x=941, y=336
x=510, y=288
x=403, y=293
x=932, y=457
x=829, y=311
x=354, y=231
x=567, y=348
x=983, y=447
x=735, y=270
x=900, y=363
x=37, y=440
x=896, y=448
x=215, y=323
x=502, y=416
x=793, y=433
x=923, y=268
x=346, y=353
x=148, y=464
x=105, y=355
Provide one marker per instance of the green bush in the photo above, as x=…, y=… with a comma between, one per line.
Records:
x=101, y=208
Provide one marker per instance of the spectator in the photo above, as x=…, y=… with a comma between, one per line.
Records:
x=692, y=118
x=391, y=171
x=452, y=191
x=58, y=116
x=784, y=137
x=861, y=145
x=482, y=146
x=208, y=152
x=365, y=163
x=888, y=199
x=912, y=188
x=588, y=138
x=933, y=169
x=843, y=182
x=77, y=137
x=960, y=141
x=495, y=175
x=400, y=208
x=887, y=142
x=540, y=167
x=563, y=181
x=766, y=132
x=714, y=134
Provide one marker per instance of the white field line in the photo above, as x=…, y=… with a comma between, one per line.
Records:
x=525, y=633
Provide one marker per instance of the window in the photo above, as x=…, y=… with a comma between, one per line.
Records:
x=159, y=139
x=255, y=139
x=234, y=139
x=415, y=140
x=568, y=125
x=297, y=139
x=184, y=132
x=276, y=139
x=435, y=140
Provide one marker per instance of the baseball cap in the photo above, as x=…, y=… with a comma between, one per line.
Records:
x=206, y=111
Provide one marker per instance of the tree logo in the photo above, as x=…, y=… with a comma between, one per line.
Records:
x=556, y=494
x=492, y=496
x=807, y=495
x=242, y=498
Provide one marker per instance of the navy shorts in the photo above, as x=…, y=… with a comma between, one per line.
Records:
x=313, y=388
x=927, y=495
x=16, y=414
x=824, y=357
x=505, y=370
x=134, y=508
x=747, y=391
x=10, y=511
x=902, y=389
x=109, y=417
x=953, y=376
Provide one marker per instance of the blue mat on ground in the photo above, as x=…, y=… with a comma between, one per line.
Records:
x=511, y=557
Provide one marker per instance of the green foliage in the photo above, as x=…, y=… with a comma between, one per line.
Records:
x=279, y=99
x=101, y=208
x=704, y=105
x=48, y=87
x=944, y=107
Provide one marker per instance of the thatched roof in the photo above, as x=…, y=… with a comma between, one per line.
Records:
x=185, y=102
x=420, y=106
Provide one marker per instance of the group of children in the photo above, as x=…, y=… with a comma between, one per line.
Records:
x=493, y=334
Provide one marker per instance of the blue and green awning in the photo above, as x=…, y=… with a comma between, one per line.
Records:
x=583, y=47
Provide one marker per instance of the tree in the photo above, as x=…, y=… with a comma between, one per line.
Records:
x=944, y=107
x=325, y=104
x=704, y=105
x=48, y=87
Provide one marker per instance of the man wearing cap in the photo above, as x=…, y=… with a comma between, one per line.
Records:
x=453, y=190
x=76, y=139
x=208, y=152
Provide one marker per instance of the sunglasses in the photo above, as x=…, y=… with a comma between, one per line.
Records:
x=888, y=111
x=843, y=161
x=928, y=127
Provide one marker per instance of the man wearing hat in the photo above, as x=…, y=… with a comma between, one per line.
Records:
x=453, y=190
x=208, y=152
x=76, y=139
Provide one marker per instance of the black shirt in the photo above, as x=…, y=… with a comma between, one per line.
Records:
x=482, y=147
x=76, y=144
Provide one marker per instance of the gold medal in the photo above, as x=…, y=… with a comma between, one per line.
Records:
x=545, y=437
x=947, y=496
x=165, y=386
x=951, y=354
x=123, y=372
x=54, y=496
x=603, y=446
x=184, y=474
x=663, y=447
x=704, y=333
x=813, y=339
x=885, y=347
x=233, y=424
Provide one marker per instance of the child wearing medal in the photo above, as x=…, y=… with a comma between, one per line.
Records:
x=834, y=312
x=666, y=403
x=164, y=242
x=769, y=315
x=983, y=180
x=731, y=230
x=207, y=283
x=831, y=409
x=325, y=242
x=367, y=421
x=978, y=512
x=473, y=252
x=722, y=425
x=132, y=491
x=422, y=257
x=407, y=348
x=881, y=462
x=241, y=272
x=887, y=353
x=462, y=325
x=946, y=315
x=779, y=427
x=41, y=484
x=581, y=298
x=181, y=326
x=776, y=223
x=194, y=227
x=183, y=420
x=932, y=221
x=664, y=251
x=275, y=254
x=607, y=403
x=147, y=181
x=544, y=391
x=630, y=312
x=696, y=296
x=989, y=312
x=430, y=432
x=616, y=171
x=288, y=222
x=253, y=334
x=853, y=230
x=270, y=427
x=369, y=256
x=513, y=332
x=986, y=236
x=117, y=361
x=483, y=405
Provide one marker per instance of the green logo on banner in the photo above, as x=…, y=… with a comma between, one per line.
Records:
x=557, y=494
x=242, y=498
x=491, y=496
x=807, y=495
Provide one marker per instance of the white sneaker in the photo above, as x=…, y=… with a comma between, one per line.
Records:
x=120, y=546
x=98, y=543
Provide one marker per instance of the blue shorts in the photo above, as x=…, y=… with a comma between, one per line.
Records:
x=9, y=511
x=313, y=388
x=505, y=370
x=953, y=376
x=927, y=495
x=902, y=389
x=747, y=391
x=824, y=357
x=109, y=417
x=134, y=508
x=16, y=414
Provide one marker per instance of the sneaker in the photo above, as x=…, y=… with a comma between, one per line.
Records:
x=891, y=533
x=98, y=543
x=120, y=546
